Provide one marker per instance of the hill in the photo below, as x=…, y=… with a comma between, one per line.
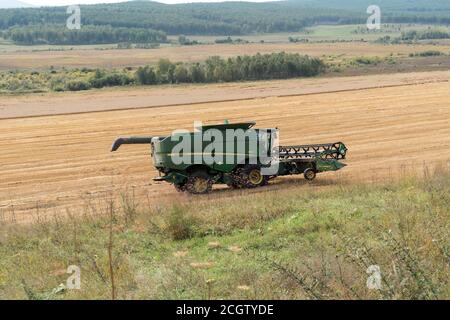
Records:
x=388, y=5
x=230, y=17
x=6, y=4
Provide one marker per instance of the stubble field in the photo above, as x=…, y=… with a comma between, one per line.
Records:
x=61, y=163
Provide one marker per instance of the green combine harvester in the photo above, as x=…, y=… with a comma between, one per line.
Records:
x=242, y=157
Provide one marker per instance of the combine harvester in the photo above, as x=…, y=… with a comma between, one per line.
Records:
x=237, y=168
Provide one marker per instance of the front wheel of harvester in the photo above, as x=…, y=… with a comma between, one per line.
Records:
x=309, y=174
x=199, y=183
x=250, y=176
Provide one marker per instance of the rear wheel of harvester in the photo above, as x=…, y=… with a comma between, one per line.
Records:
x=199, y=182
x=309, y=174
x=250, y=176
x=180, y=187
x=234, y=185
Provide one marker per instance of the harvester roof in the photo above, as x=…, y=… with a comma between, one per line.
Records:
x=234, y=126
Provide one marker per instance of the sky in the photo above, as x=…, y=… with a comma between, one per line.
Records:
x=68, y=2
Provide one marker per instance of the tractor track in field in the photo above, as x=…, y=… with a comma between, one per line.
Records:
x=55, y=164
x=228, y=100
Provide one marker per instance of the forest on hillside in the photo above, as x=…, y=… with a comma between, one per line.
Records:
x=46, y=25
x=55, y=34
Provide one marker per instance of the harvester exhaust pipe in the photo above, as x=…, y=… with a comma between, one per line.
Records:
x=130, y=140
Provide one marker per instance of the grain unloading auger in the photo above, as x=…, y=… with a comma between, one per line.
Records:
x=234, y=160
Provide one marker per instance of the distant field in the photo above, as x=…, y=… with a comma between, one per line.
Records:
x=321, y=44
x=136, y=57
x=312, y=34
x=8, y=47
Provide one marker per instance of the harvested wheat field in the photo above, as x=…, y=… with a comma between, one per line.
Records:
x=170, y=95
x=59, y=163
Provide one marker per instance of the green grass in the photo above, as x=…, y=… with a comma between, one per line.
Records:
x=295, y=242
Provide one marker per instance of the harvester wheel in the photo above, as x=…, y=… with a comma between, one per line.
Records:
x=180, y=187
x=199, y=183
x=309, y=174
x=251, y=177
x=233, y=185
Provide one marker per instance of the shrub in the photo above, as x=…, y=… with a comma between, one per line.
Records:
x=180, y=226
x=366, y=60
x=110, y=80
x=77, y=85
x=226, y=40
x=181, y=74
x=429, y=53
x=425, y=35
x=145, y=75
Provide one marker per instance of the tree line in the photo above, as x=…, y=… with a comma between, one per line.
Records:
x=188, y=19
x=60, y=35
x=215, y=69
x=416, y=35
